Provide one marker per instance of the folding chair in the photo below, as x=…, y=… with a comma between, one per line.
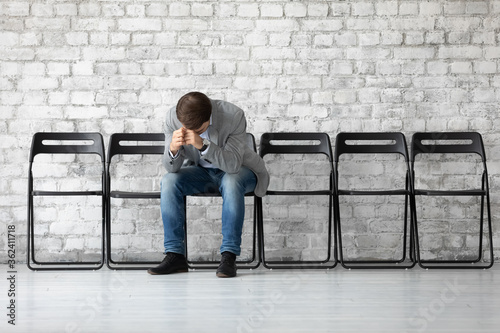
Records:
x=250, y=263
x=129, y=144
x=443, y=145
x=301, y=143
x=375, y=144
x=63, y=143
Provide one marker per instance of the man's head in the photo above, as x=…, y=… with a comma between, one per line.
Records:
x=194, y=110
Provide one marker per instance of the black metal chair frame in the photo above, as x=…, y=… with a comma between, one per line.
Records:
x=427, y=143
x=144, y=146
x=373, y=143
x=324, y=148
x=65, y=147
x=254, y=261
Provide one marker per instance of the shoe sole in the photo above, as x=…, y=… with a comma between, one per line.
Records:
x=177, y=271
x=222, y=275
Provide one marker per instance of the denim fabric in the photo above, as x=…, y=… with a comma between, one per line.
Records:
x=196, y=179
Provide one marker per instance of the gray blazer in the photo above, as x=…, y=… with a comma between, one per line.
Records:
x=228, y=150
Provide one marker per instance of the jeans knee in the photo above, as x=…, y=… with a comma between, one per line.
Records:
x=169, y=182
x=232, y=183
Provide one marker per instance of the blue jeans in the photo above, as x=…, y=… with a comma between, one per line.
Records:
x=196, y=179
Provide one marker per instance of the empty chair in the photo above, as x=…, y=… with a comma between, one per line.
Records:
x=129, y=144
x=71, y=144
x=378, y=183
x=306, y=144
x=433, y=154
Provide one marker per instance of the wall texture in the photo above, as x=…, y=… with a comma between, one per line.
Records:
x=117, y=65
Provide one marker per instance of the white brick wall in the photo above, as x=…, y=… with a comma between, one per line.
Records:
x=117, y=66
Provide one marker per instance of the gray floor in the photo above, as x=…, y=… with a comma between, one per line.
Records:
x=262, y=300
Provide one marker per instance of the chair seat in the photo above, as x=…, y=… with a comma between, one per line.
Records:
x=65, y=193
x=384, y=192
x=319, y=192
x=474, y=192
x=217, y=194
x=134, y=195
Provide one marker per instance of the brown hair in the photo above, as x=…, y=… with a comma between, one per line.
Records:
x=194, y=109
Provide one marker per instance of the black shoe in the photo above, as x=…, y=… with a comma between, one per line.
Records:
x=227, y=267
x=172, y=263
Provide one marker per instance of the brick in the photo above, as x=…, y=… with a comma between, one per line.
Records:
x=172, y=83
x=414, y=38
x=295, y=10
x=9, y=38
x=317, y=9
x=86, y=112
x=275, y=25
x=370, y=38
x=38, y=83
x=458, y=24
x=485, y=67
x=460, y=52
x=156, y=9
x=113, y=10
x=66, y=9
x=82, y=98
x=135, y=10
x=140, y=24
x=414, y=53
x=34, y=69
x=185, y=25
x=346, y=39
x=16, y=54
x=492, y=53
x=92, y=24
x=235, y=53
x=126, y=82
x=89, y=9
x=367, y=24
x=249, y=83
x=299, y=83
x=322, y=25
x=103, y=54
x=14, y=24
x=82, y=83
x=477, y=7
x=200, y=9
x=320, y=54
x=14, y=9
x=59, y=24
x=340, y=9
x=271, y=10
x=367, y=53
x=408, y=8
x=362, y=9
x=40, y=112
x=461, y=67
x=179, y=9
x=428, y=8
x=77, y=38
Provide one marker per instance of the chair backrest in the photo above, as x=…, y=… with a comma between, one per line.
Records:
x=117, y=146
x=321, y=144
x=371, y=143
x=447, y=142
x=251, y=142
x=66, y=143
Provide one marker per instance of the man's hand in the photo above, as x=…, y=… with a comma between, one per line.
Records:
x=178, y=140
x=182, y=137
x=192, y=138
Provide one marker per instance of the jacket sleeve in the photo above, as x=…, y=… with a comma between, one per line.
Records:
x=171, y=164
x=228, y=155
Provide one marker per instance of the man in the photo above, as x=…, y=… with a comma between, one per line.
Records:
x=206, y=151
